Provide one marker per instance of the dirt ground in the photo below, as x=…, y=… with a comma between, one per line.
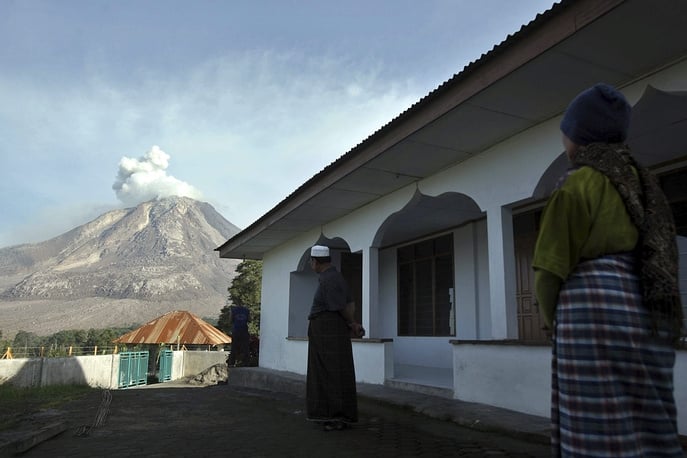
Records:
x=175, y=419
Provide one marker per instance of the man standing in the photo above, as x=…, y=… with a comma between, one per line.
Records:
x=330, y=385
x=239, y=318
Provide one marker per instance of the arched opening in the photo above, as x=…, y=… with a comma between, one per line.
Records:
x=303, y=282
x=428, y=282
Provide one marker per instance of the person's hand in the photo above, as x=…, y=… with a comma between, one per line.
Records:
x=357, y=330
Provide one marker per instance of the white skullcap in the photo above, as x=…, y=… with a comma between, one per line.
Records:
x=319, y=251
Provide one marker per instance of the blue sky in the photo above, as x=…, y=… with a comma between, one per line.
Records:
x=104, y=104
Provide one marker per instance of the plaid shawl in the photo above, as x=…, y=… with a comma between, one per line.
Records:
x=650, y=212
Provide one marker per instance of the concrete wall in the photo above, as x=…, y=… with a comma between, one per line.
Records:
x=680, y=391
x=21, y=372
x=511, y=376
x=195, y=362
x=423, y=351
x=101, y=371
x=177, y=365
x=518, y=377
x=373, y=358
x=97, y=371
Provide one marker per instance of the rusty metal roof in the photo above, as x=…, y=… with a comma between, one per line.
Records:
x=176, y=327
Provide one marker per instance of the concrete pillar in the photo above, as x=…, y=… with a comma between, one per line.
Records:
x=371, y=291
x=504, y=324
x=465, y=290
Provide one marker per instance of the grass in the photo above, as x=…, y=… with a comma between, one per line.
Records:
x=15, y=401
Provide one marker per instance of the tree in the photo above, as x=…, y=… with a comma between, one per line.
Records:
x=4, y=343
x=101, y=337
x=29, y=341
x=244, y=291
x=224, y=320
x=26, y=339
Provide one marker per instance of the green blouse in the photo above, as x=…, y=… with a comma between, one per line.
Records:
x=584, y=219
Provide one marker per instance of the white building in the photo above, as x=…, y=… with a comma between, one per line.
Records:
x=433, y=218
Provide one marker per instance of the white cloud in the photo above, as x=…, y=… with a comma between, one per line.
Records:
x=143, y=179
x=247, y=128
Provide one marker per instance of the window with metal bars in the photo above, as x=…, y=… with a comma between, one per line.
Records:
x=425, y=288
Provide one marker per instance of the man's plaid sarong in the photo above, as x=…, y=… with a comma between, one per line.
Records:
x=330, y=383
x=612, y=381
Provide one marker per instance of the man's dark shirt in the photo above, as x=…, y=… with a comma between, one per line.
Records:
x=332, y=294
x=239, y=318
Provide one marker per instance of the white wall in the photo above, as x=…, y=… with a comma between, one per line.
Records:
x=22, y=372
x=196, y=362
x=669, y=79
x=178, y=364
x=506, y=173
x=297, y=355
x=423, y=351
x=682, y=274
x=388, y=308
x=275, y=316
x=465, y=284
x=96, y=371
x=301, y=291
x=519, y=378
x=680, y=392
x=374, y=362
x=483, y=293
x=509, y=376
x=100, y=371
x=472, y=282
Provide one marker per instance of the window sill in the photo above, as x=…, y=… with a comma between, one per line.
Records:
x=363, y=340
x=505, y=342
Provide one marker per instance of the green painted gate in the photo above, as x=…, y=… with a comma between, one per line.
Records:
x=165, y=374
x=133, y=368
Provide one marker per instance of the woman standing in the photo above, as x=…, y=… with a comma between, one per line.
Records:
x=606, y=282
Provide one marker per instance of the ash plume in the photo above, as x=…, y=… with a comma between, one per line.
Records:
x=143, y=179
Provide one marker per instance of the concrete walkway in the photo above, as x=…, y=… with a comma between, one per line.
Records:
x=418, y=398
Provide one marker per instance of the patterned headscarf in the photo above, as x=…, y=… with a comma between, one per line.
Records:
x=650, y=212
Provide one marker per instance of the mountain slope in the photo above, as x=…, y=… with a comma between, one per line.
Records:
x=124, y=267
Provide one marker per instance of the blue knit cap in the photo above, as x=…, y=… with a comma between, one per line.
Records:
x=599, y=114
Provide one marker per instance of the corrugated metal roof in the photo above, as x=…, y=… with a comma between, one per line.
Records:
x=176, y=327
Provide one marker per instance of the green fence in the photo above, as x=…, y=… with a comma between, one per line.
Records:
x=165, y=374
x=133, y=368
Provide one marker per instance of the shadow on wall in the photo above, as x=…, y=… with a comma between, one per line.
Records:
x=37, y=372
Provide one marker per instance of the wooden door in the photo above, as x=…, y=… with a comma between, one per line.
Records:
x=530, y=321
x=352, y=271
